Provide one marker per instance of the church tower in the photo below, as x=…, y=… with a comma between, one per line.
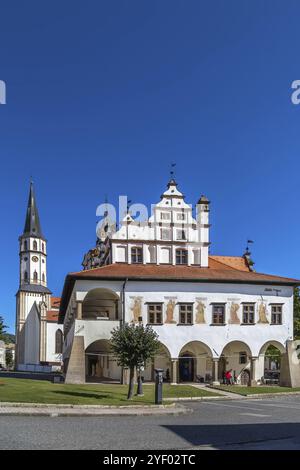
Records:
x=33, y=296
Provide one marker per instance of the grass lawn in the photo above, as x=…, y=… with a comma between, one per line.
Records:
x=40, y=391
x=255, y=390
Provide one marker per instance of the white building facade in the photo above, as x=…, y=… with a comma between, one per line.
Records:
x=212, y=313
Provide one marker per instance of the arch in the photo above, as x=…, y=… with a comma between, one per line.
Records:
x=59, y=340
x=274, y=343
x=35, y=276
x=162, y=360
x=100, y=364
x=195, y=362
x=100, y=303
x=34, y=245
x=236, y=357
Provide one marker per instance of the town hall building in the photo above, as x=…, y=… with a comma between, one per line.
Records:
x=212, y=313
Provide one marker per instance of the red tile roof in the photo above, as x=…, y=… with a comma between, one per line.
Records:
x=55, y=302
x=52, y=315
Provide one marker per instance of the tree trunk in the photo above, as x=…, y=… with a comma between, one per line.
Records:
x=131, y=383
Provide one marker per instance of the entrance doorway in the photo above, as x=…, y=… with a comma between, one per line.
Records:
x=186, y=368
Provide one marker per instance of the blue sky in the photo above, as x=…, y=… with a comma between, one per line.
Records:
x=102, y=96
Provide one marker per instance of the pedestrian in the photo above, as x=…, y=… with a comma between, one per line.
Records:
x=228, y=377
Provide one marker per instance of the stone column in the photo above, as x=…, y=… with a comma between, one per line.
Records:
x=174, y=363
x=79, y=310
x=253, y=381
x=75, y=373
x=215, y=372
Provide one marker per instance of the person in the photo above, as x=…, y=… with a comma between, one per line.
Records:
x=228, y=377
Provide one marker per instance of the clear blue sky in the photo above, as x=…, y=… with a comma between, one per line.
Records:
x=102, y=96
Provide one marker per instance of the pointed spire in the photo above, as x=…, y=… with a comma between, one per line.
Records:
x=32, y=222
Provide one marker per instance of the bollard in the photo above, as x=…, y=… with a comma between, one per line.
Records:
x=158, y=386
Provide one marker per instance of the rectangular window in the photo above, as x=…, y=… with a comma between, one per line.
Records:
x=181, y=257
x=165, y=234
x=155, y=314
x=186, y=314
x=243, y=357
x=181, y=216
x=180, y=235
x=137, y=255
x=165, y=216
x=248, y=314
x=218, y=314
x=276, y=314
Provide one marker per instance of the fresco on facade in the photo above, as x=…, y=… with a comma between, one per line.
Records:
x=170, y=311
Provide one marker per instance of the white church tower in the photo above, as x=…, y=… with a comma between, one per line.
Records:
x=33, y=296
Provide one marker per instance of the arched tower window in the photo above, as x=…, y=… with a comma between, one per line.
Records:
x=43, y=247
x=35, y=245
x=25, y=245
x=43, y=277
x=35, y=276
x=25, y=276
x=58, y=342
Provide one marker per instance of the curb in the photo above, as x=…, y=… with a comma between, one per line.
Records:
x=52, y=410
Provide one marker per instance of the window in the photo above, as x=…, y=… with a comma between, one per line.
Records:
x=58, y=342
x=180, y=235
x=276, y=314
x=25, y=276
x=186, y=314
x=165, y=216
x=136, y=255
x=165, y=234
x=43, y=277
x=155, y=314
x=248, y=313
x=243, y=357
x=181, y=216
x=43, y=247
x=181, y=256
x=218, y=314
x=35, y=245
x=25, y=246
x=35, y=276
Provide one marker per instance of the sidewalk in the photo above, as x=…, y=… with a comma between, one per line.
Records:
x=39, y=409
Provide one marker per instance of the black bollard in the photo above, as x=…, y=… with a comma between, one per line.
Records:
x=158, y=386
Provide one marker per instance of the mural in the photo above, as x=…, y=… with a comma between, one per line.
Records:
x=234, y=318
x=136, y=309
x=200, y=309
x=170, y=311
x=262, y=313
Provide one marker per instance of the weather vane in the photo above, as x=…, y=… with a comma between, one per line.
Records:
x=172, y=170
x=248, y=243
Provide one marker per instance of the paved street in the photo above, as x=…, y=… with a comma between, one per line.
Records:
x=240, y=424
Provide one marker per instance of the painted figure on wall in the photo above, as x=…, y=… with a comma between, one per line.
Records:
x=234, y=318
x=262, y=313
x=170, y=311
x=200, y=309
x=136, y=309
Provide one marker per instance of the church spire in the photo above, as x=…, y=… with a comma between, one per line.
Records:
x=32, y=222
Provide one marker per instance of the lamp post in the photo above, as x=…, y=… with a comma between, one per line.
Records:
x=158, y=386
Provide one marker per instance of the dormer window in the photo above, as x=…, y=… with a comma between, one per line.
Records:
x=181, y=235
x=165, y=234
x=181, y=256
x=181, y=216
x=137, y=255
x=165, y=216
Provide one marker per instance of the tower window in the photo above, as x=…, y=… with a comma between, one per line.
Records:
x=25, y=276
x=58, y=342
x=136, y=255
x=43, y=247
x=35, y=276
x=25, y=245
x=35, y=245
x=181, y=256
x=43, y=277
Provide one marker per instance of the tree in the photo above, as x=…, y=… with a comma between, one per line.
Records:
x=296, y=313
x=9, y=359
x=134, y=346
x=2, y=329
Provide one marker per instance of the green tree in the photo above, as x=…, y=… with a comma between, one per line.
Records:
x=9, y=359
x=134, y=346
x=296, y=313
x=2, y=329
